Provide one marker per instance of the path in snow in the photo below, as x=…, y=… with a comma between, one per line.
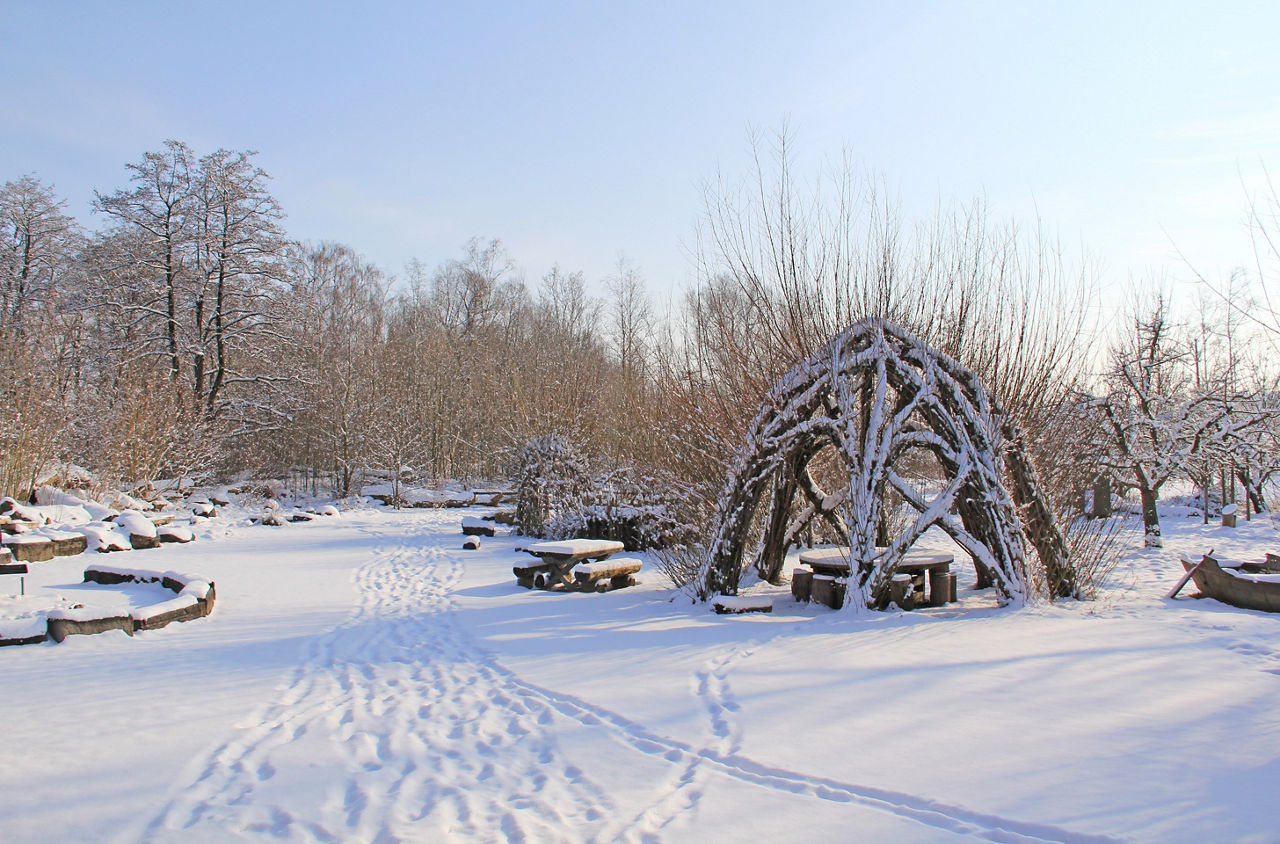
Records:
x=397, y=725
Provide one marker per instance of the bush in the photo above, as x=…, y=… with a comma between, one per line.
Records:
x=551, y=480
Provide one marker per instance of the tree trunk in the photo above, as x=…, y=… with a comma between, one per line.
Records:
x=1151, y=518
x=774, y=551
x=1101, y=497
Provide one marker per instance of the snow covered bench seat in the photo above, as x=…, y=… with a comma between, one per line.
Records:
x=618, y=570
x=736, y=604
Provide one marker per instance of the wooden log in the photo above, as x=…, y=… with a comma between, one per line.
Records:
x=471, y=544
x=478, y=530
x=801, y=584
x=622, y=581
x=612, y=568
x=737, y=604
x=527, y=576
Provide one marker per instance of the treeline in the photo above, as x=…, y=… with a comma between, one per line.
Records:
x=191, y=336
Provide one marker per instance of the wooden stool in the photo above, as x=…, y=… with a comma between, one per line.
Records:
x=801, y=584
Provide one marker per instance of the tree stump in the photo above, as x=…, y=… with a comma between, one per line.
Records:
x=821, y=589
x=801, y=584
x=939, y=587
x=1229, y=516
x=901, y=591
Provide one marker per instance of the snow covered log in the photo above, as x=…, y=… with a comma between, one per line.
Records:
x=737, y=604
x=871, y=397
x=472, y=526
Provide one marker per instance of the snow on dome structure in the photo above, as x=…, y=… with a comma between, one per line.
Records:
x=873, y=395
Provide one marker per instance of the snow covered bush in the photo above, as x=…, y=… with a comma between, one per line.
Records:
x=551, y=480
x=637, y=509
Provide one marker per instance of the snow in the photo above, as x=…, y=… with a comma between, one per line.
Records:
x=605, y=566
x=473, y=522
x=577, y=546
x=24, y=539
x=134, y=523
x=365, y=679
x=103, y=536
x=181, y=602
x=742, y=603
x=180, y=533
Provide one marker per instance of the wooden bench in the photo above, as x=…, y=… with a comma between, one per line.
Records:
x=619, y=570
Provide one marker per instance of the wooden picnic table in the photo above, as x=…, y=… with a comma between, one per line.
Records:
x=563, y=565
x=826, y=566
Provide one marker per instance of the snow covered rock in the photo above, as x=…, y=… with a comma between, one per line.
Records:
x=29, y=548
x=104, y=537
x=175, y=533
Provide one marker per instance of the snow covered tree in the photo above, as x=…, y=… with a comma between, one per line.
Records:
x=197, y=282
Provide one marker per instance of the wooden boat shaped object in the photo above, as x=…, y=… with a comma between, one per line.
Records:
x=1232, y=586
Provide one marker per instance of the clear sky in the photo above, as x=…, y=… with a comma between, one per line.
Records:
x=578, y=131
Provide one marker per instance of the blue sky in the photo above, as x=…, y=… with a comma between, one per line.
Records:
x=578, y=131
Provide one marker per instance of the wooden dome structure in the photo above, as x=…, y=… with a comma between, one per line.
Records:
x=872, y=396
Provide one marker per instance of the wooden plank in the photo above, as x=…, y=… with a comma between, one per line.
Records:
x=1190, y=572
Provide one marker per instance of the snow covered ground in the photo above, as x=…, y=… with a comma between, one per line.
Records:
x=362, y=678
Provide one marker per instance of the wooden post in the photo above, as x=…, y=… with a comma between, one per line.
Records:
x=1229, y=515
